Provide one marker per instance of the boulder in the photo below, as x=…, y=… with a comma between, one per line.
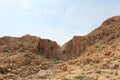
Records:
x=43, y=74
x=103, y=78
x=1, y=77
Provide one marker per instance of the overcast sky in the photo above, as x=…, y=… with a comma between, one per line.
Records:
x=58, y=20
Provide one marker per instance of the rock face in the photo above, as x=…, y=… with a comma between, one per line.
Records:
x=74, y=47
x=28, y=43
x=48, y=48
x=109, y=30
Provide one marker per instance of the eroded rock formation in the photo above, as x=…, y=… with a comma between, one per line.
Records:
x=28, y=43
x=109, y=30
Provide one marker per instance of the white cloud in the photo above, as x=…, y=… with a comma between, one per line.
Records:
x=71, y=18
x=3, y=17
x=26, y=4
x=12, y=1
x=118, y=7
x=8, y=2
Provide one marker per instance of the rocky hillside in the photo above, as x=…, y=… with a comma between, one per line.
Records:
x=30, y=44
x=22, y=56
x=95, y=56
x=109, y=30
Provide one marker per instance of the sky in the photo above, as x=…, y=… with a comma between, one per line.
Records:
x=58, y=20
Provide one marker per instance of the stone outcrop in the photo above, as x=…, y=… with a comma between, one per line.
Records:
x=48, y=48
x=28, y=43
x=74, y=47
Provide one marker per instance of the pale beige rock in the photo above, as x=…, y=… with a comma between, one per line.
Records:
x=119, y=73
x=43, y=74
x=106, y=60
x=1, y=77
x=103, y=78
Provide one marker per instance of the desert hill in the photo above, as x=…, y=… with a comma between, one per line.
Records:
x=95, y=56
x=109, y=30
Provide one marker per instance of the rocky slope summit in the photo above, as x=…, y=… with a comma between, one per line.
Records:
x=95, y=56
x=30, y=44
x=109, y=30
